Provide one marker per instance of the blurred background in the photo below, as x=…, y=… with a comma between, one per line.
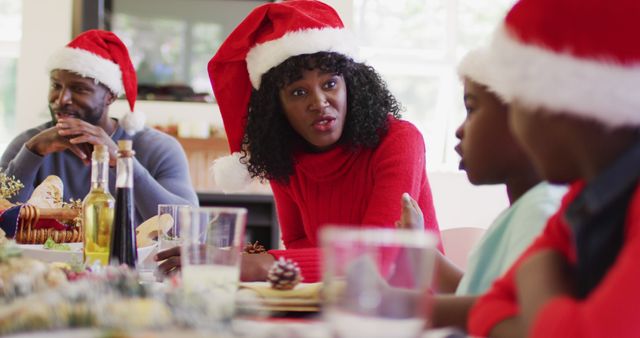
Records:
x=414, y=44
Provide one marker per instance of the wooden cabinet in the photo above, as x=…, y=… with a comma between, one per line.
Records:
x=200, y=153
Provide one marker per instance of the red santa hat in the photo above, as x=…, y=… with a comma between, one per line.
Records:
x=571, y=57
x=102, y=56
x=268, y=36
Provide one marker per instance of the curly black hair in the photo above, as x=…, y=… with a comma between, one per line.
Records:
x=270, y=142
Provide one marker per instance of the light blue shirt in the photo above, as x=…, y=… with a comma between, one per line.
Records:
x=508, y=236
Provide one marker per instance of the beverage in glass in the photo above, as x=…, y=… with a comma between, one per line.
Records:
x=211, y=249
x=169, y=219
x=376, y=280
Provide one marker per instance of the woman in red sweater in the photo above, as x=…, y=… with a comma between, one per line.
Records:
x=322, y=128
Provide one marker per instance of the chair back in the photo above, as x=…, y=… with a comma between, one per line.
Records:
x=458, y=242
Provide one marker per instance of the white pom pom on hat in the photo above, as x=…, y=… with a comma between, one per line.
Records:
x=133, y=122
x=475, y=66
x=230, y=174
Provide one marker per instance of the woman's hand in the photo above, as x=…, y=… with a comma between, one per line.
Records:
x=411, y=217
x=254, y=267
x=171, y=258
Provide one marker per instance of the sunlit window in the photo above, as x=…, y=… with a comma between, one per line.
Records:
x=169, y=51
x=10, y=35
x=171, y=42
x=415, y=45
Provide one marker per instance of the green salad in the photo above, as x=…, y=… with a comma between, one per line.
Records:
x=50, y=244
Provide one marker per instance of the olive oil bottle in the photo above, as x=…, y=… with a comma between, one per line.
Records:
x=97, y=210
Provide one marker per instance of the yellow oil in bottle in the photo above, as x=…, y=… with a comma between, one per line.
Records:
x=97, y=210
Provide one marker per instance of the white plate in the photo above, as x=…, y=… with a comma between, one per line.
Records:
x=37, y=251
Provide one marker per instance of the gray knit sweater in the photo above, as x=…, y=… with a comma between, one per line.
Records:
x=161, y=172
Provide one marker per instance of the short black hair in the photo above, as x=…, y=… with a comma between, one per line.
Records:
x=270, y=141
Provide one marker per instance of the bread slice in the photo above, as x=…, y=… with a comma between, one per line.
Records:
x=147, y=232
x=48, y=194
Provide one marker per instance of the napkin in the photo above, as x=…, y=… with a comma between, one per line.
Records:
x=307, y=291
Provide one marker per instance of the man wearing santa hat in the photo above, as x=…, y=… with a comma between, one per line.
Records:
x=86, y=76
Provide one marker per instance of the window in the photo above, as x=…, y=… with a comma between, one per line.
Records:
x=416, y=45
x=10, y=35
x=171, y=42
x=169, y=51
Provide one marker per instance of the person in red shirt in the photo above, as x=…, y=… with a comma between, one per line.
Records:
x=300, y=112
x=568, y=68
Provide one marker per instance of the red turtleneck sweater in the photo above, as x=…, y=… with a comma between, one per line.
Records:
x=343, y=187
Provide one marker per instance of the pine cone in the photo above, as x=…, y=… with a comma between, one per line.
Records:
x=284, y=274
x=255, y=248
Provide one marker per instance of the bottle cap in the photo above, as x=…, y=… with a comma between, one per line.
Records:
x=125, y=145
x=125, y=148
x=99, y=151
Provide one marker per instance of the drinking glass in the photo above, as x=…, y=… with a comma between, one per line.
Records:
x=169, y=219
x=211, y=251
x=377, y=280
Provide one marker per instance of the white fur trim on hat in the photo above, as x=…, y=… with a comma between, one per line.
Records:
x=475, y=67
x=231, y=175
x=88, y=64
x=267, y=55
x=596, y=88
x=133, y=122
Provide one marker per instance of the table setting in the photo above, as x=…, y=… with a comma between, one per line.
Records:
x=373, y=279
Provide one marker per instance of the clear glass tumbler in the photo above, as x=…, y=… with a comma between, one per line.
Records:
x=377, y=280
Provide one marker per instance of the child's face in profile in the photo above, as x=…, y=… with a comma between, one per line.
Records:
x=488, y=150
x=316, y=107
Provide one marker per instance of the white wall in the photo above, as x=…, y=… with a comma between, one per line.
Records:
x=460, y=204
x=46, y=26
x=194, y=119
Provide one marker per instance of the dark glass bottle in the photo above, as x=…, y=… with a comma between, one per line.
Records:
x=123, y=236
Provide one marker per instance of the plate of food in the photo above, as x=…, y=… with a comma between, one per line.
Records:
x=304, y=297
x=68, y=252
x=50, y=251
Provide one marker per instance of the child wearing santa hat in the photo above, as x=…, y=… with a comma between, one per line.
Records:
x=489, y=155
x=86, y=76
x=569, y=69
x=322, y=128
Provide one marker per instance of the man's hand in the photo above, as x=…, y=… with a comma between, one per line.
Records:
x=50, y=141
x=82, y=132
x=411, y=217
